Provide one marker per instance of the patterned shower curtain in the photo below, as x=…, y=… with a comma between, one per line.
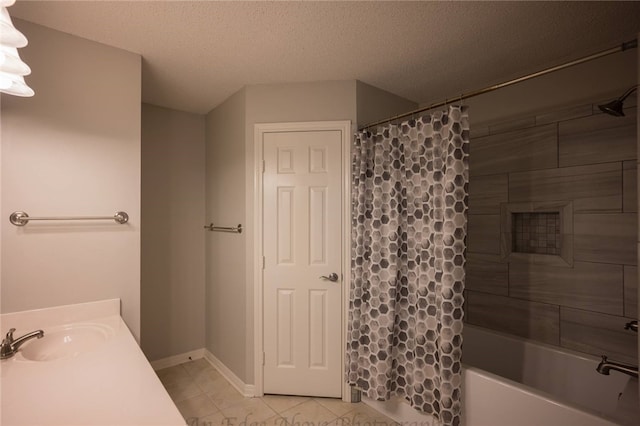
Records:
x=409, y=195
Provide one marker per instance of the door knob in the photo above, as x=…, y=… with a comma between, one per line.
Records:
x=332, y=277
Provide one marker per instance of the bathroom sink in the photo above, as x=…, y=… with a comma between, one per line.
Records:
x=66, y=341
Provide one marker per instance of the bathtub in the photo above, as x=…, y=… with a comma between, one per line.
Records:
x=513, y=382
x=561, y=376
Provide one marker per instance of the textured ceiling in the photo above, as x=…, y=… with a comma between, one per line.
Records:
x=197, y=53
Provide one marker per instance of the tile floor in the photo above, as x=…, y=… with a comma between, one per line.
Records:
x=205, y=398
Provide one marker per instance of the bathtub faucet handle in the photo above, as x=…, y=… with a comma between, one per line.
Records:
x=632, y=325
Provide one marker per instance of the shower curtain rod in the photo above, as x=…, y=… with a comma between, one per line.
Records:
x=632, y=44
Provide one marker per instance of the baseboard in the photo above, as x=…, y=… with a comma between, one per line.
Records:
x=246, y=390
x=177, y=359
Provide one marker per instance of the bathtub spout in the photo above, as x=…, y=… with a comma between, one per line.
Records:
x=605, y=366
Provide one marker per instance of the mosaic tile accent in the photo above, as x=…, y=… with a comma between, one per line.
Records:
x=410, y=197
x=537, y=232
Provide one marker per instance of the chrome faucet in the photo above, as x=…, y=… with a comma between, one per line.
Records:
x=10, y=346
x=605, y=366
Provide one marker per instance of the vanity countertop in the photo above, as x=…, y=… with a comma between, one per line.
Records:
x=112, y=384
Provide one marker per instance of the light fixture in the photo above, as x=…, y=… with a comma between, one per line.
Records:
x=12, y=69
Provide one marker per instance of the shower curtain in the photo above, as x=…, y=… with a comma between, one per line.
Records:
x=409, y=195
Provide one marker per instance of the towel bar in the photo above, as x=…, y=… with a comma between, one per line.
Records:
x=236, y=230
x=21, y=218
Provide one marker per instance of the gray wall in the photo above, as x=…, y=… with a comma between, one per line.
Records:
x=226, y=307
x=72, y=149
x=375, y=104
x=172, y=234
x=569, y=151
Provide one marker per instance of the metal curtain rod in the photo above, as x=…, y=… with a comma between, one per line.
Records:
x=234, y=229
x=632, y=44
x=21, y=218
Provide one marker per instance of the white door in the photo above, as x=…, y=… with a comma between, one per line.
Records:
x=302, y=190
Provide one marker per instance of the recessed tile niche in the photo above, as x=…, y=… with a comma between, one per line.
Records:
x=536, y=232
x=539, y=233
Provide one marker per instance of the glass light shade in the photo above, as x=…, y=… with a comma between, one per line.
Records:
x=11, y=63
x=9, y=35
x=12, y=69
x=14, y=85
x=5, y=81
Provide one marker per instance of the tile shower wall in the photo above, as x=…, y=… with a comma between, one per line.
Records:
x=572, y=154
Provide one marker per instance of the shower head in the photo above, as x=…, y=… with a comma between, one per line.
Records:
x=616, y=107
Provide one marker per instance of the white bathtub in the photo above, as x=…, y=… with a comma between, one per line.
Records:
x=512, y=382
x=565, y=378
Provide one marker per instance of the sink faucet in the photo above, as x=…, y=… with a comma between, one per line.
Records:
x=605, y=366
x=10, y=346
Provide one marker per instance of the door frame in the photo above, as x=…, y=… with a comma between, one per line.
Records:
x=258, y=298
